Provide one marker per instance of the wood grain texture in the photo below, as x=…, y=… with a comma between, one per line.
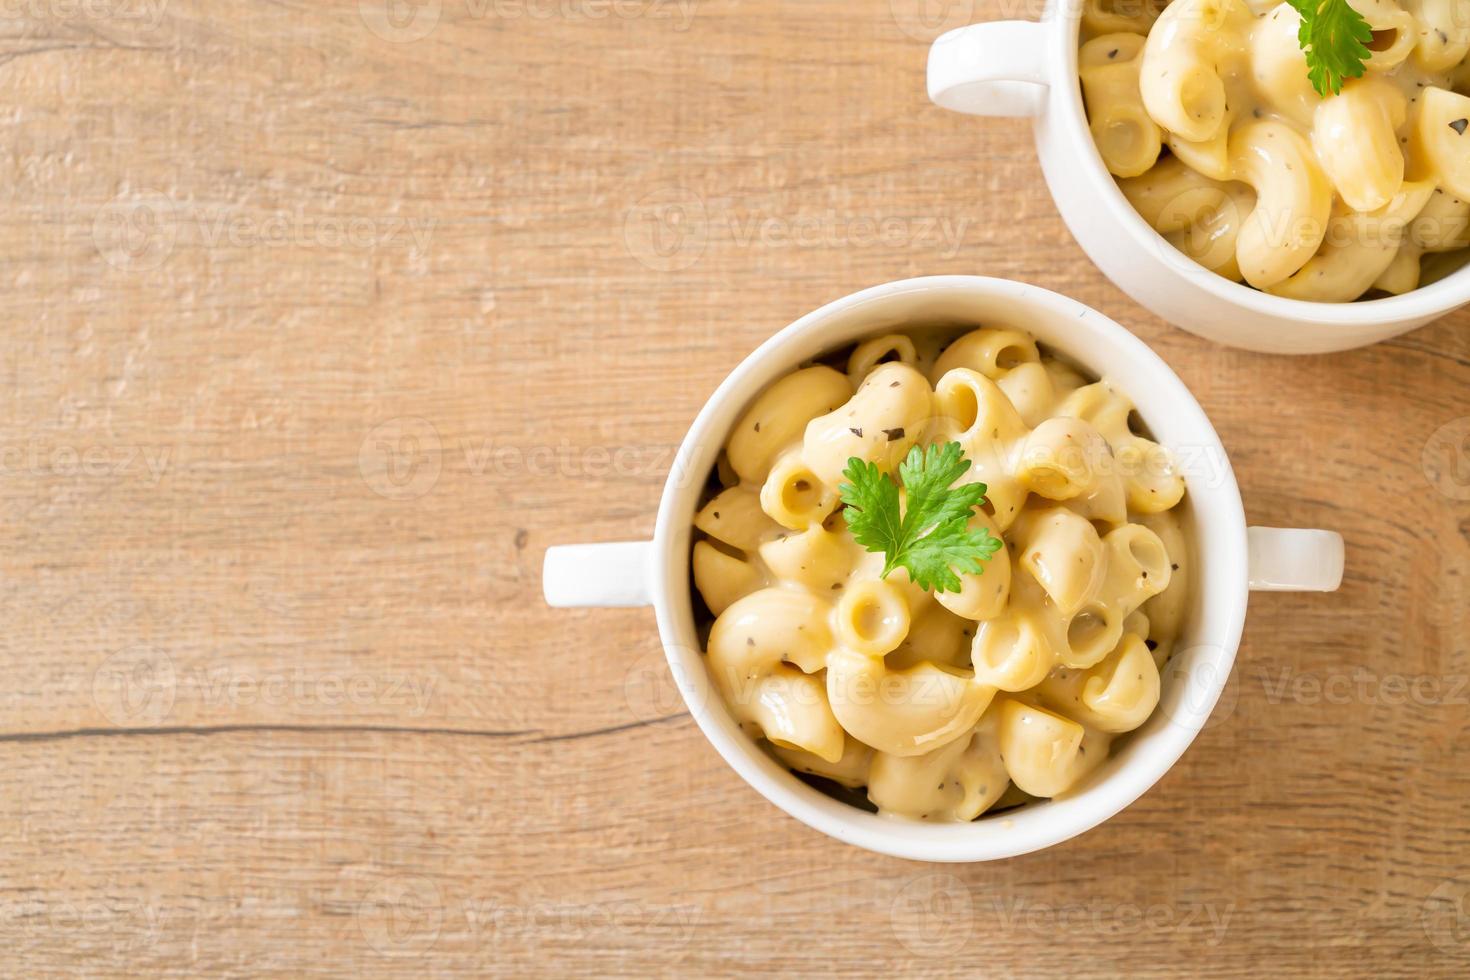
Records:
x=323, y=323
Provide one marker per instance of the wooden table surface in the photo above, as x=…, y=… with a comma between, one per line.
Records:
x=324, y=319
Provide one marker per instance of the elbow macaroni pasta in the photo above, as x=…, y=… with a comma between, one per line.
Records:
x=938, y=705
x=1127, y=138
x=1205, y=114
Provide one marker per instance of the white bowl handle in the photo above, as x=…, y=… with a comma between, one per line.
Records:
x=995, y=69
x=612, y=574
x=1294, y=559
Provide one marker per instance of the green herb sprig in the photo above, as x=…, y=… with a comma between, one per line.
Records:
x=929, y=534
x=1335, y=39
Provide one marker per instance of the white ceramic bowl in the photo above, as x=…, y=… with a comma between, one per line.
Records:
x=1226, y=558
x=1029, y=68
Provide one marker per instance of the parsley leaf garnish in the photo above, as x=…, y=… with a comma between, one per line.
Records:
x=1335, y=38
x=929, y=535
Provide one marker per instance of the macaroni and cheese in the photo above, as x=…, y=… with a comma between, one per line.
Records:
x=943, y=704
x=1203, y=111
